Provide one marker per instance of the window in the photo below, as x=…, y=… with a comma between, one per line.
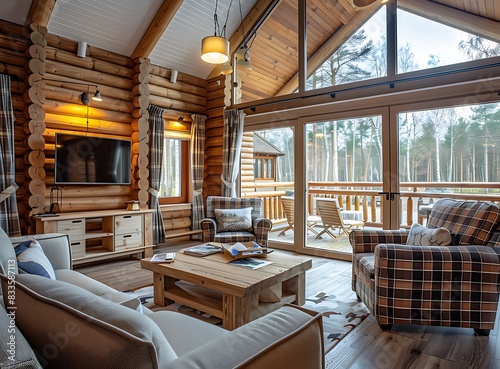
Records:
x=175, y=171
x=264, y=168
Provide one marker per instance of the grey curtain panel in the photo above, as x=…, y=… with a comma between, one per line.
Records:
x=9, y=217
x=231, y=150
x=197, y=166
x=156, y=131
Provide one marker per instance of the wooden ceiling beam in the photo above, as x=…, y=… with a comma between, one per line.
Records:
x=455, y=18
x=329, y=47
x=156, y=28
x=40, y=12
x=253, y=16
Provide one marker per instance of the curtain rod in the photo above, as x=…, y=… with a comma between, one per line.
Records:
x=186, y=112
x=391, y=83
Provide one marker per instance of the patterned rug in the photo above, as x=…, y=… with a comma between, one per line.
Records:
x=341, y=314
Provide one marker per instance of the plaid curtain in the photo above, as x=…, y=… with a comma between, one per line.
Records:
x=156, y=131
x=9, y=217
x=197, y=166
x=231, y=150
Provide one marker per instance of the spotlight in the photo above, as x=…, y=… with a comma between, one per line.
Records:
x=97, y=96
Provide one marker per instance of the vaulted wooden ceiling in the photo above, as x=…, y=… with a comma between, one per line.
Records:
x=169, y=32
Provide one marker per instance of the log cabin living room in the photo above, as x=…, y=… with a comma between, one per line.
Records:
x=131, y=129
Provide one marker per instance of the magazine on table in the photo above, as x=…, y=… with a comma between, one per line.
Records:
x=250, y=263
x=164, y=257
x=204, y=250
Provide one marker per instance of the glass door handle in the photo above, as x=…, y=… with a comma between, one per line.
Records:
x=389, y=196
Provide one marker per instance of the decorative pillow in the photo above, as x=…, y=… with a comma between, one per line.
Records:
x=32, y=260
x=73, y=328
x=423, y=236
x=230, y=220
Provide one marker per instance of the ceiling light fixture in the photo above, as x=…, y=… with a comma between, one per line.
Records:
x=226, y=69
x=363, y=3
x=215, y=49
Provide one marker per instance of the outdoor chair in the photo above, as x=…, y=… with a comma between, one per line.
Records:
x=231, y=220
x=414, y=278
x=331, y=219
x=289, y=210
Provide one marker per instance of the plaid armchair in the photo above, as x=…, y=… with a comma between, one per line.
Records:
x=455, y=286
x=260, y=226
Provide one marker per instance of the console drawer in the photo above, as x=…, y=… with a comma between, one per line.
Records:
x=127, y=241
x=75, y=228
x=77, y=249
x=127, y=224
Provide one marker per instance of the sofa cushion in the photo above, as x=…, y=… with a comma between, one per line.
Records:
x=423, y=236
x=98, y=288
x=231, y=220
x=15, y=351
x=178, y=329
x=32, y=260
x=73, y=328
x=472, y=221
x=8, y=261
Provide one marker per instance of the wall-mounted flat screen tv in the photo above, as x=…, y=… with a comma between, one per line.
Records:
x=92, y=160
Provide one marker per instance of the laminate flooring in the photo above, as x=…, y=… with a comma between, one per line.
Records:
x=367, y=347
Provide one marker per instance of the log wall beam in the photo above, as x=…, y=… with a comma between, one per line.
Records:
x=36, y=115
x=141, y=130
x=159, y=24
x=40, y=12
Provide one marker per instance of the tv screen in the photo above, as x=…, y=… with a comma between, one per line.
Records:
x=92, y=160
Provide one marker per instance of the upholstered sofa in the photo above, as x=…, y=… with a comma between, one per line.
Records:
x=451, y=281
x=257, y=228
x=75, y=322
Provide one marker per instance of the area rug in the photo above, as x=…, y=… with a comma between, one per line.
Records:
x=341, y=314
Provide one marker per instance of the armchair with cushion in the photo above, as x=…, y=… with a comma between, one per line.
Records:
x=455, y=285
x=231, y=220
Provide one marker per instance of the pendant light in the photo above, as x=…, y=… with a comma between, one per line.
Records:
x=215, y=49
x=363, y=3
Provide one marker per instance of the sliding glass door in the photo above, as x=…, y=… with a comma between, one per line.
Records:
x=346, y=166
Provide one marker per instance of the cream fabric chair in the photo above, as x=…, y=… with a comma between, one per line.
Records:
x=331, y=218
x=289, y=209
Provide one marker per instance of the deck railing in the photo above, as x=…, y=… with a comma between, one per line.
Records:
x=366, y=197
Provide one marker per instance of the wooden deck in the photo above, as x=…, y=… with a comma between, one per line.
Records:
x=341, y=243
x=367, y=346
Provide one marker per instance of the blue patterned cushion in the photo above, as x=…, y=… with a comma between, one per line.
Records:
x=231, y=220
x=423, y=236
x=32, y=260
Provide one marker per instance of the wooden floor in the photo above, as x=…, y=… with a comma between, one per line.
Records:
x=367, y=347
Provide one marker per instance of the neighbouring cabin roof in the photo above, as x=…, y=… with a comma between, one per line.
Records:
x=262, y=147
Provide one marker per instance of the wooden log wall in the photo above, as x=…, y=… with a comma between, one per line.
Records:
x=14, y=46
x=186, y=96
x=67, y=77
x=214, y=129
x=180, y=99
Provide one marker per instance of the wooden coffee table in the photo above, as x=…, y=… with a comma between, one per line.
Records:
x=233, y=293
